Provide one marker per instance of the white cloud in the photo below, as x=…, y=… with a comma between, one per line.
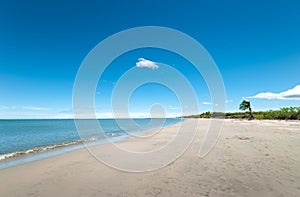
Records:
x=292, y=94
x=35, y=108
x=8, y=107
x=24, y=108
x=209, y=103
x=173, y=107
x=143, y=63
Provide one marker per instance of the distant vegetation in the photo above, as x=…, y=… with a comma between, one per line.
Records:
x=286, y=113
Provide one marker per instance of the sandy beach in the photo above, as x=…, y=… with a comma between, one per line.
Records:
x=251, y=158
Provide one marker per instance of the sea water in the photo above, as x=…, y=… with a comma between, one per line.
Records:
x=26, y=137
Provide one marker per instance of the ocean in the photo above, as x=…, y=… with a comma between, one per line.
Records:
x=25, y=137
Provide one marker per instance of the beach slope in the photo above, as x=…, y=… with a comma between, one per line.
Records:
x=251, y=158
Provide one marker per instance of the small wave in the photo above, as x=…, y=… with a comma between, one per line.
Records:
x=50, y=147
x=42, y=149
x=116, y=133
x=111, y=134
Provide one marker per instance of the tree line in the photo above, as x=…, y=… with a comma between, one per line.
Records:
x=285, y=113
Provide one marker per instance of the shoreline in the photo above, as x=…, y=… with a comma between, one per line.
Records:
x=51, y=152
x=258, y=158
x=20, y=157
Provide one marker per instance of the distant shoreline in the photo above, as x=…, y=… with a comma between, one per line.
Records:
x=286, y=113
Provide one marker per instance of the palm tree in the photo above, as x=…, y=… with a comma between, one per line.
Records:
x=246, y=105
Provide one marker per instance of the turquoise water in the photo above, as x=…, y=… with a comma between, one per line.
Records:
x=23, y=137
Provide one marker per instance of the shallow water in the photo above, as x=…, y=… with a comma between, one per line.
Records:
x=22, y=137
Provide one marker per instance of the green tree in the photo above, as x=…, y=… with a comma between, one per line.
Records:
x=246, y=105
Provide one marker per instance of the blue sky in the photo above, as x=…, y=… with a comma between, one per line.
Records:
x=255, y=45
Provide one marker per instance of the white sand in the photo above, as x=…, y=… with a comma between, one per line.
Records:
x=252, y=158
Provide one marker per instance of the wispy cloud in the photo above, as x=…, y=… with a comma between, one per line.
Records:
x=35, y=108
x=292, y=94
x=7, y=107
x=144, y=63
x=181, y=107
x=10, y=108
x=210, y=103
x=174, y=108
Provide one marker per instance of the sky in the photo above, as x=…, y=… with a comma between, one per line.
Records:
x=255, y=45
